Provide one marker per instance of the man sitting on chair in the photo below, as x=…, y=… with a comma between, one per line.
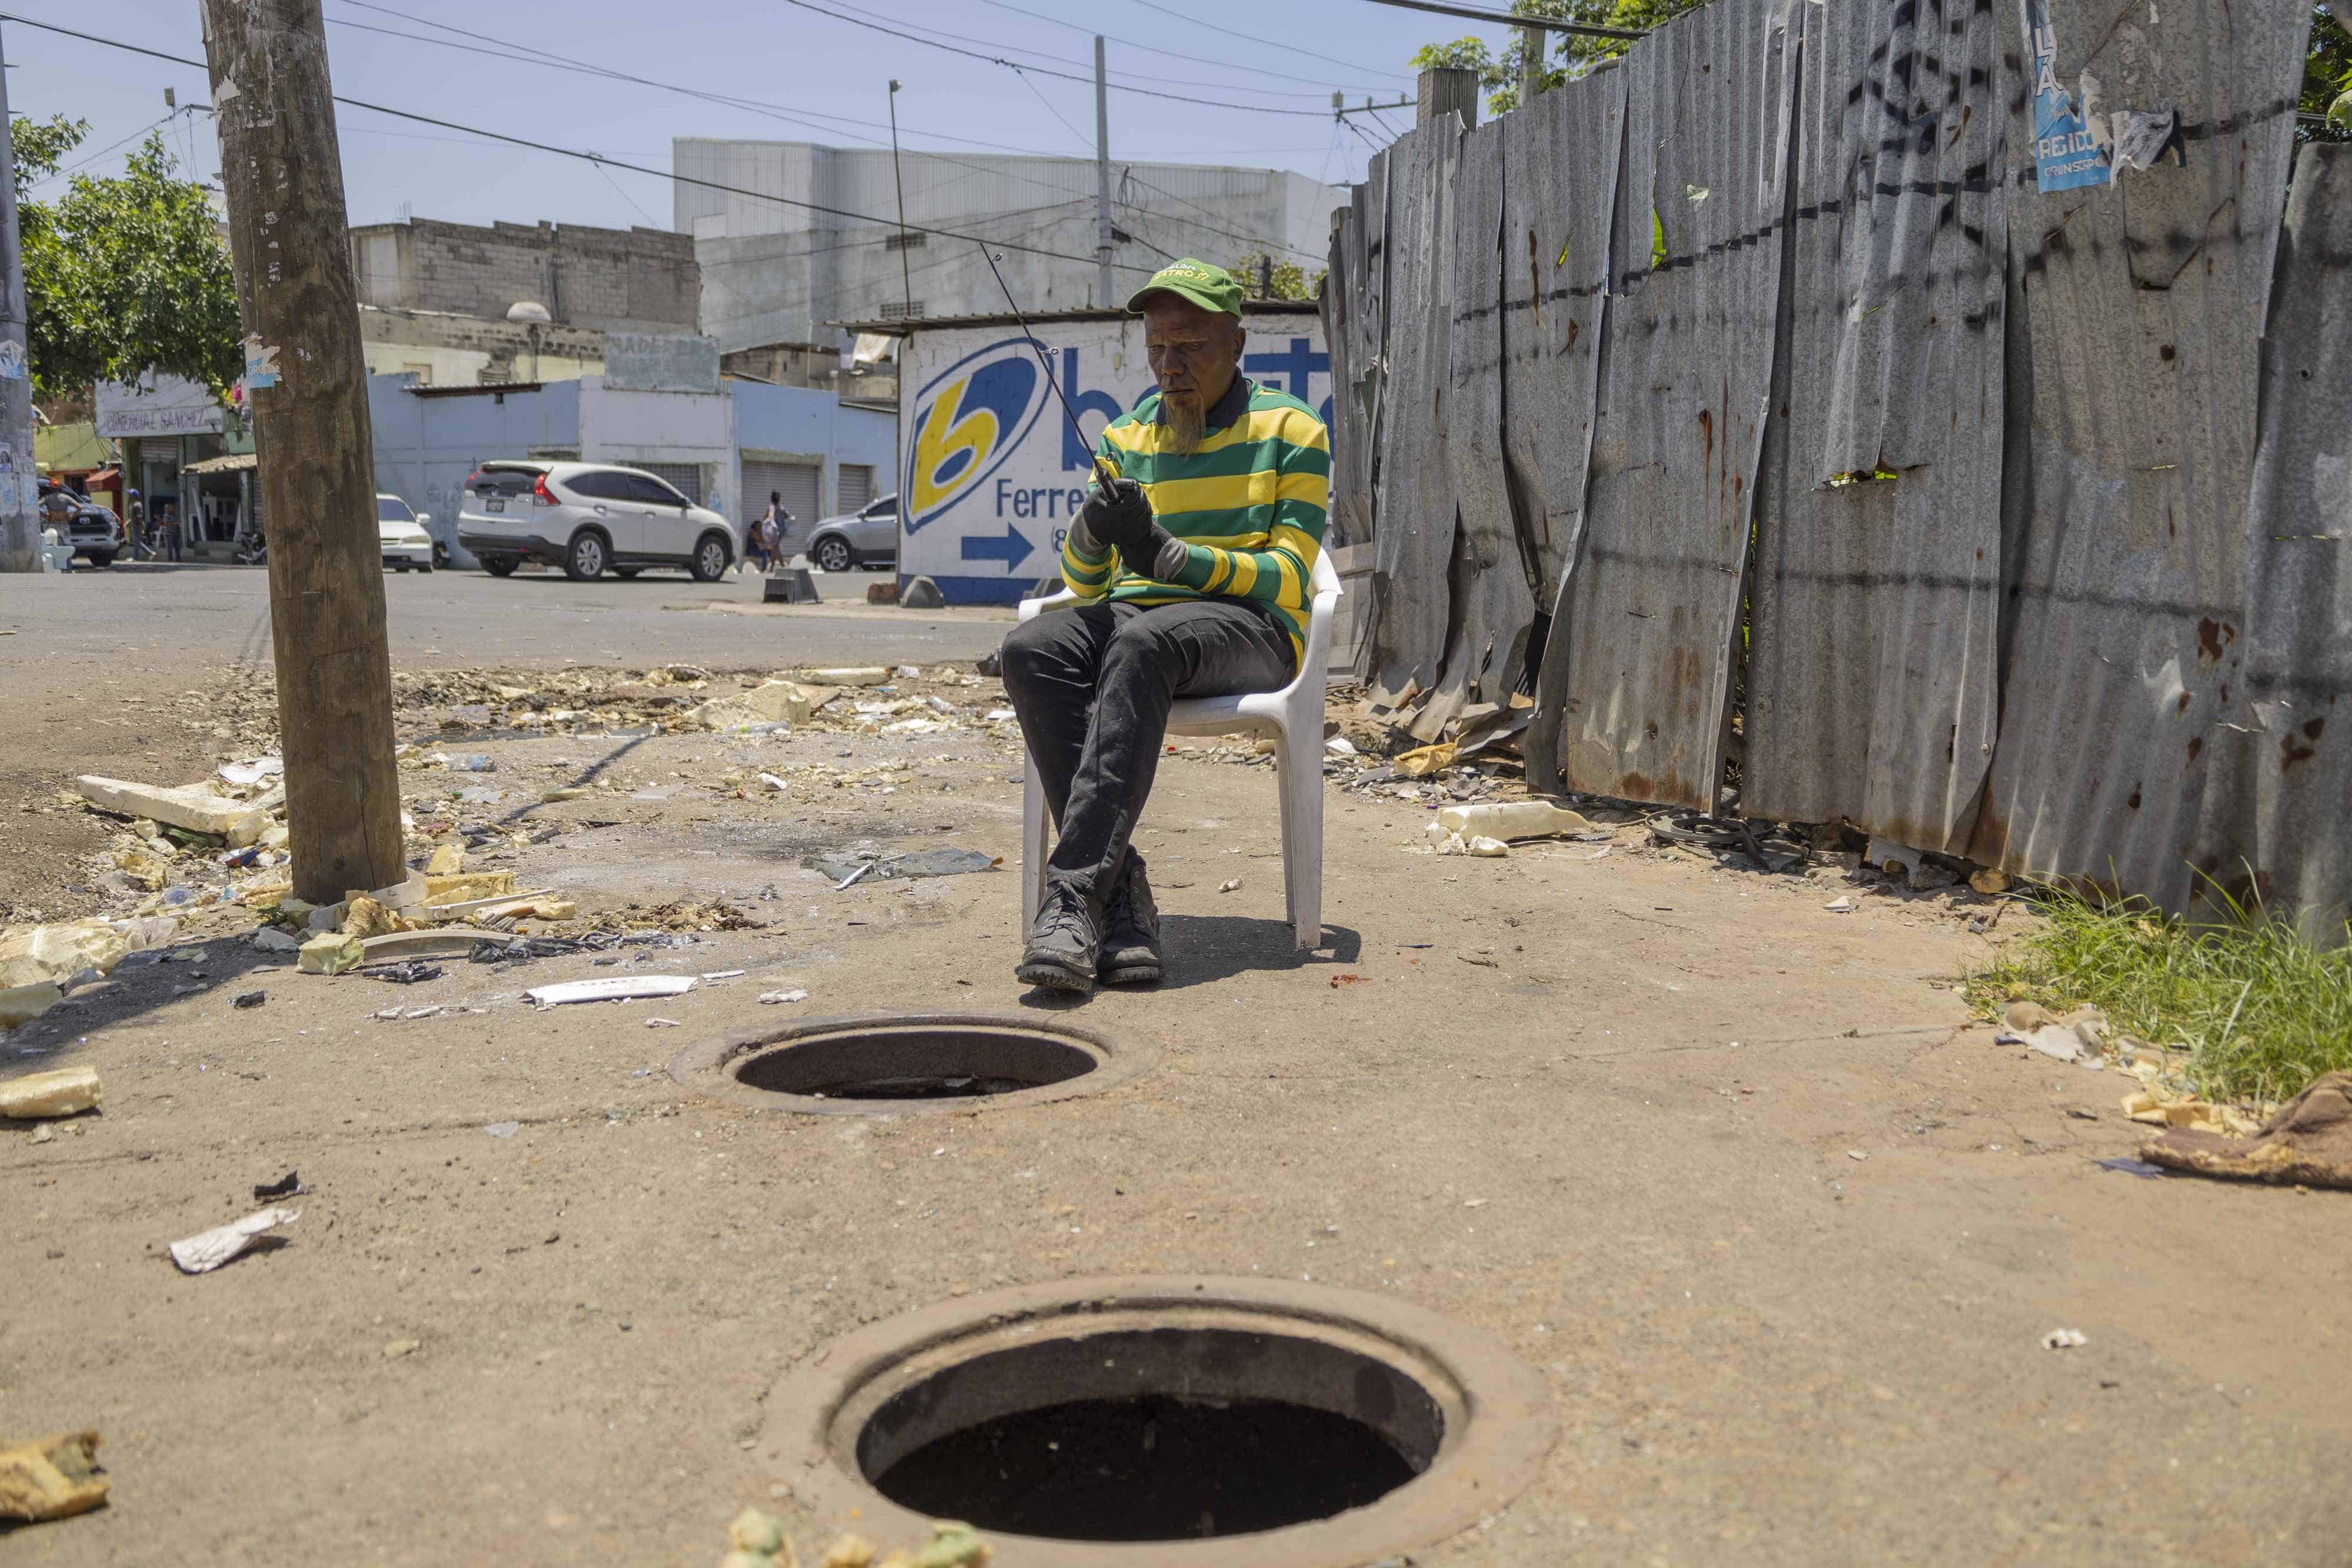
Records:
x=1191, y=569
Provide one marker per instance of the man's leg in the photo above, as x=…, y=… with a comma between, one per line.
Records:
x=1050, y=665
x=1210, y=647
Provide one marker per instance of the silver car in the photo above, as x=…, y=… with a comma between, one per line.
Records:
x=93, y=530
x=588, y=519
x=401, y=536
x=868, y=537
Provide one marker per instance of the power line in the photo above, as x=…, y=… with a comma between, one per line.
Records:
x=1511, y=19
x=1066, y=75
x=1151, y=48
x=576, y=153
x=101, y=153
x=1193, y=21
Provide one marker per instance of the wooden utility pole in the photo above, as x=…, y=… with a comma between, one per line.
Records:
x=306, y=386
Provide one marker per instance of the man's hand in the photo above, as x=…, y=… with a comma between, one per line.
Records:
x=1116, y=514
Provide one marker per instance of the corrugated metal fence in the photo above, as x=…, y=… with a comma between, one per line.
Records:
x=1756, y=375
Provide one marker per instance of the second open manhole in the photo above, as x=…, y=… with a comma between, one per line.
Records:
x=884, y=1065
x=1170, y=1421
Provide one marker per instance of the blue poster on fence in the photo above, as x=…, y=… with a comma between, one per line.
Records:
x=2066, y=154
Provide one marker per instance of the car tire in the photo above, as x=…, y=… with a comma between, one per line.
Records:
x=101, y=557
x=832, y=554
x=586, y=559
x=499, y=565
x=625, y=572
x=424, y=565
x=710, y=559
x=401, y=567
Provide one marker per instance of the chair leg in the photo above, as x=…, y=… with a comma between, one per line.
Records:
x=1302, y=850
x=1285, y=776
x=1033, y=821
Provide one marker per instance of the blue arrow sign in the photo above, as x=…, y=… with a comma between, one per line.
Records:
x=1012, y=549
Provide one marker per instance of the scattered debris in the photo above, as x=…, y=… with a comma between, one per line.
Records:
x=662, y=1023
x=53, y=1477
x=23, y=1004
x=2064, y=1339
x=1842, y=904
x=287, y=1185
x=1989, y=880
x=848, y=867
x=62, y=1091
x=411, y=973
x=503, y=1129
x=619, y=988
x=249, y=998
x=1422, y=761
x=194, y=808
x=1230, y=884
x=2078, y=1037
x=208, y=1250
x=772, y=999
x=31, y=954
x=1857, y=1154
x=1530, y=819
x=2130, y=1166
x=395, y=1349
x=2307, y=1143
x=330, y=953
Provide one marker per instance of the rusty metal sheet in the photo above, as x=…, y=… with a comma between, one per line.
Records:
x=1561, y=153
x=1637, y=664
x=2298, y=669
x=2125, y=733
x=1493, y=605
x=1412, y=530
x=1871, y=671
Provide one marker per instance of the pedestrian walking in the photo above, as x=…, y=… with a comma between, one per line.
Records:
x=134, y=526
x=767, y=537
x=168, y=524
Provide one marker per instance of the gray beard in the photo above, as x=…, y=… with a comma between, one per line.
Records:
x=1183, y=423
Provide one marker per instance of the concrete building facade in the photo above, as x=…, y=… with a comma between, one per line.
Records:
x=775, y=274
x=434, y=297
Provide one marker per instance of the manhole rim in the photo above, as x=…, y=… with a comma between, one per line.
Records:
x=1500, y=1421
x=703, y=1066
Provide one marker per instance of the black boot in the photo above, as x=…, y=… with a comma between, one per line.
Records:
x=1131, y=939
x=1065, y=942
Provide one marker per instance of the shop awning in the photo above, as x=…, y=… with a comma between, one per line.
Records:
x=230, y=465
x=104, y=476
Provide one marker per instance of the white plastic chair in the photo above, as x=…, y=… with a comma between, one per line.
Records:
x=1293, y=716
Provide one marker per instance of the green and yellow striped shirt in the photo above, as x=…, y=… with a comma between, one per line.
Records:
x=1248, y=502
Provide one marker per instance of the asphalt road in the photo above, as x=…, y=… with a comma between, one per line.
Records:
x=165, y=621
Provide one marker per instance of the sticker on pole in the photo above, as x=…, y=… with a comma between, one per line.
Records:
x=12, y=362
x=260, y=364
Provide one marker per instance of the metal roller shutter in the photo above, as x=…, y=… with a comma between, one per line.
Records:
x=686, y=477
x=796, y=482
x=853, y=485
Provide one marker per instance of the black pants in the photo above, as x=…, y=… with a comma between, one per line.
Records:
x=1093, y=684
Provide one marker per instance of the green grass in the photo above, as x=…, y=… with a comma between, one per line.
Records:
x=2259, y=1009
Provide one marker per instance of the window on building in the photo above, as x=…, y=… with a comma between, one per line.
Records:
x=910, y=240
x=853, y=487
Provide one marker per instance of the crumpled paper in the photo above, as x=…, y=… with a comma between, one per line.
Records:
x=208, y=1250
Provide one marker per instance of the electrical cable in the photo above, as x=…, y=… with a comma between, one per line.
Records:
x=1194, y=21
x=1508, y=19
x=572, y=151
x=1000, y=60
x=1154, y=48
x=101, y=153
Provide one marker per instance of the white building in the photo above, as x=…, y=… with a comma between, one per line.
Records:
x=774, y=274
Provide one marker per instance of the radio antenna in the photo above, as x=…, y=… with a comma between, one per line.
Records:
x=1102, y=469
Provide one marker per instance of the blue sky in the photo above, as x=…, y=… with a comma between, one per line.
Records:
x=813, y=77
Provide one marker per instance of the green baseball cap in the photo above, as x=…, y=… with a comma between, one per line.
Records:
x=1210, y=288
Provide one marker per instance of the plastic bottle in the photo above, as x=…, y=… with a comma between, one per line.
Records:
x=1512, y=819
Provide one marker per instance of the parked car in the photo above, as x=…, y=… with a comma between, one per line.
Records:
x=93, y=530
x=588, y=519
x=401, y=534
x=868, y=537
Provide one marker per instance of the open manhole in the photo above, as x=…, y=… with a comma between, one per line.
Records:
x=889, y=1064
x=1172, y=1421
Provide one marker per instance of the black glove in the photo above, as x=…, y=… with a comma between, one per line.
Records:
x=1116, y=514
x=1151, y=555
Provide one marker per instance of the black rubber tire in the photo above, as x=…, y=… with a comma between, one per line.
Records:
x=427, y=567
x=586, y=559
x=499, y=565
x=101, y=557
x=711, y=558
x=832, y=554
x=625, y=572
x=401, y=567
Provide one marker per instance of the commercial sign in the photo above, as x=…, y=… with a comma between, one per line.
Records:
x=991, y=474
x=157, y=405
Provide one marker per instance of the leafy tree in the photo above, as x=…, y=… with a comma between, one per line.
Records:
x=124, y=273
x=2326, y=78
x=1567, y=55
x=1285, y=279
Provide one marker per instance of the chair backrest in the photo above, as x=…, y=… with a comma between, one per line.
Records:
x=1321, y=578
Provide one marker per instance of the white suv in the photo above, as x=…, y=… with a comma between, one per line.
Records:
x=588, y=519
